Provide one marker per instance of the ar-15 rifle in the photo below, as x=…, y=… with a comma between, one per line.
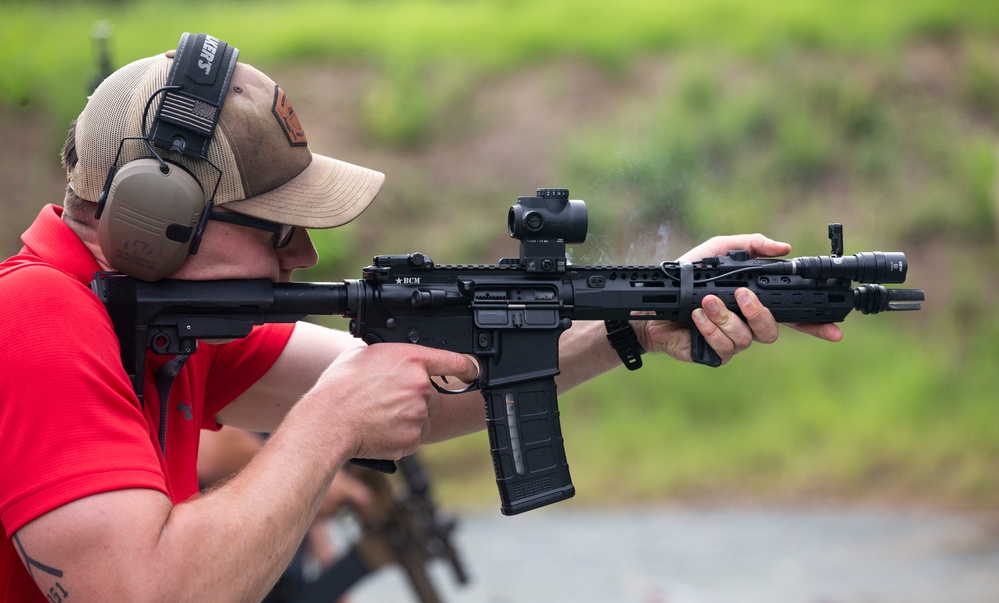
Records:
x=510, y=316
x=404, y=527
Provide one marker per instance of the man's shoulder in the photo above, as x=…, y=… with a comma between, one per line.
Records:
x=28, y=273
x=33, y=288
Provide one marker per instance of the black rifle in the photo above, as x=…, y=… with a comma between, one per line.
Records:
x=405, y=527
x=510, y=316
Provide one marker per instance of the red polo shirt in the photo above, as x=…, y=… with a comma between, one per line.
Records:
x=70, y=424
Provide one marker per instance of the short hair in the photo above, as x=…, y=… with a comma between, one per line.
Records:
x=78, y=209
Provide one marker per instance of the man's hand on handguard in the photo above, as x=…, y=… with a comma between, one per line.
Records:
x=724, y=330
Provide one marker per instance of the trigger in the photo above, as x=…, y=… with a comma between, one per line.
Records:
x=471, y=387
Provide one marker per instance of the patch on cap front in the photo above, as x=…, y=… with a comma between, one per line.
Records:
x=288, y=119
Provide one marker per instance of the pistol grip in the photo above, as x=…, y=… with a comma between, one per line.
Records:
x=527, y=448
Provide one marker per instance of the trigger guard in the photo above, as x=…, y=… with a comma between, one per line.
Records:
x=471, y=387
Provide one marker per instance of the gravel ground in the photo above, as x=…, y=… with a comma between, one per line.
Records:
x=716, y=556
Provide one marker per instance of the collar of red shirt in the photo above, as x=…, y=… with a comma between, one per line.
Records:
x=51, y=240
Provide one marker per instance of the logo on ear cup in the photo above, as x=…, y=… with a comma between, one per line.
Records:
x=137, y=253
x=137, y=248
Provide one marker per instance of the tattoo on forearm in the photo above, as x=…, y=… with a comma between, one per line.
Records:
x=56, y=593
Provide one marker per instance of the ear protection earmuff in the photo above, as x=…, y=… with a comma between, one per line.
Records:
x=149, y=219
x=152, y=212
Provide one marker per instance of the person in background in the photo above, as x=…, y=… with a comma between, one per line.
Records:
x=225, y=452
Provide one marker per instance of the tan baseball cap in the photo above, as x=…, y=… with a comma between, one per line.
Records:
x=259, y=145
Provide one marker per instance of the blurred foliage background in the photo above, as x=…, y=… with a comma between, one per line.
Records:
x=676, y=121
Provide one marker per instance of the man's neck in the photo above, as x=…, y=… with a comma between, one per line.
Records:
x=87, y=231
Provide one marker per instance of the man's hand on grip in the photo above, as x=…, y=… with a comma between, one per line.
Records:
x=382, y=395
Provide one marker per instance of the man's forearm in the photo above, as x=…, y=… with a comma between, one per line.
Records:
x=230, y=544
x=257, y=520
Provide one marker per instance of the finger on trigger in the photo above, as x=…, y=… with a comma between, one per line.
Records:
x=452, y=364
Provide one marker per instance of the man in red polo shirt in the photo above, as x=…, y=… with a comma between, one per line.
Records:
x=99, y=494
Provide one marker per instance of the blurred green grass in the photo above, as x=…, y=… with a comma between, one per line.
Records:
x=785, y=133
x=778, y=117
x=41, y=42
